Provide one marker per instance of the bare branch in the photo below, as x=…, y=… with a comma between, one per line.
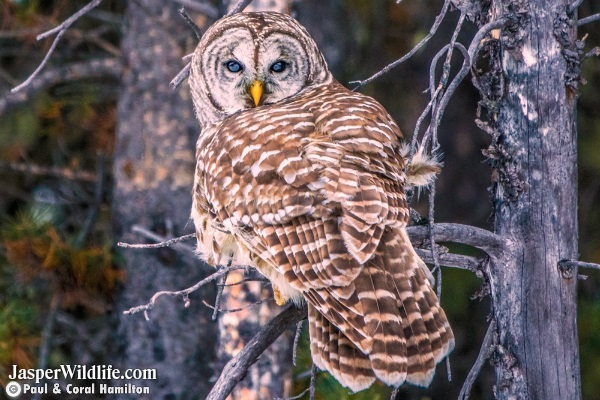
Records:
x=220, y=287
x=593, y=52
x=69, y=21
x=581, y=264
x=313, y=381
x=589, y=19
x=484, y=354
x=296, y=397
x=568, y=268
x=190, y=22
x=296, y=340
x=450, y=260
x=163, y=242
x=61, y=29
x=202, y=7
x=239, y=7
x=482, y=239
x=184, y=73
x=238, y=366
x=105, y=67
x=183, y=293
x=387, y=68
x=574, y=6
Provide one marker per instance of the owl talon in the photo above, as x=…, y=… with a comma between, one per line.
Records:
x=279, y=299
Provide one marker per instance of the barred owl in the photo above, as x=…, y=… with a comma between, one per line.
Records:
x=305, y=181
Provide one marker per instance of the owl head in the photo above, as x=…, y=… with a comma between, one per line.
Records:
x=252, y=59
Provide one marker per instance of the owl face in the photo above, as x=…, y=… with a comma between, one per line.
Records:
x=252, y=59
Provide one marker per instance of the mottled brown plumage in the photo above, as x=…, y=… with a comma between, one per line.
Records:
x=308, y=187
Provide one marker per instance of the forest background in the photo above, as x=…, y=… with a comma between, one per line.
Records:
x=60, y=269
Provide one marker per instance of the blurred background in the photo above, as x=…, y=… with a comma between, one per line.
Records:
x=63, y=208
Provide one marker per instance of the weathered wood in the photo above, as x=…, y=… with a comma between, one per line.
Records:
x=238, y=366
x=153, y=173
x=536, y=204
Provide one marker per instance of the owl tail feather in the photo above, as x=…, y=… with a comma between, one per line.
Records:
x=409, y=330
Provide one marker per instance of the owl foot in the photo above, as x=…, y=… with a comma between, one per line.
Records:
x=279, y=298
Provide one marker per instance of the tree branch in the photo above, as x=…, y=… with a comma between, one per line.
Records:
x=202, y=7
x=61, y=29
x=239, y=7
x=482, y=239
x=183, y=293
x=589, y=19
x=450, y=260
x=387, y=68
x=484, y=353
x=238, y=366
x=105, y=67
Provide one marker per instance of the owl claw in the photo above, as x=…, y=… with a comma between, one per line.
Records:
x=279, y=299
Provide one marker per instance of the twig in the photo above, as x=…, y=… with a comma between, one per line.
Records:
x=387, y=68
x=574, y=6
x=395, y=393
x=202, y=7
x=58, y=172
x=190, y=22
x=61, y=29
x=238, y=366
x=450, y=260
x=438, y=109
x=104, y=67
x=484, y=353
x=296, y=397
x=589, y=19
x=46, y=340
x=231, y=310
x=593, y=52
x=313, y=381
x=296, y=340
x=184, y=73
x=580, y=264
x=568, y=268
x=69, y=21
x=154, y=236
x=95, y=207
x=239, y=7
x=183, y=293
x=220, y=287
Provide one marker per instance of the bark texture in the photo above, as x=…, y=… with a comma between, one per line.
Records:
x=153, y=170
x=536, y=204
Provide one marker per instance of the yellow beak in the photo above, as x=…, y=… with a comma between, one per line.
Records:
x=256, y=91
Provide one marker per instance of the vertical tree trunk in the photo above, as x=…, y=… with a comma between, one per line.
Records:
x=153, y=172
x=536, y=204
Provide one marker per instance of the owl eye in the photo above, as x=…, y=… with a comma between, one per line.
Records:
x=234, y=66
x=279, y=66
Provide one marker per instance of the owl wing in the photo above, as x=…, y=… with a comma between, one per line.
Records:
x=310, y=190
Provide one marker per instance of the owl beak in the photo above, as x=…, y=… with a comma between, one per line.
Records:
x=256, y=91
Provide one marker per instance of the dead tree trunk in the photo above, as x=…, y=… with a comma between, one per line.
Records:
x=536, y=203
x=153, y=172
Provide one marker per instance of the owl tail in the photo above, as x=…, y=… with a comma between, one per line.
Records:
x=408, y=329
